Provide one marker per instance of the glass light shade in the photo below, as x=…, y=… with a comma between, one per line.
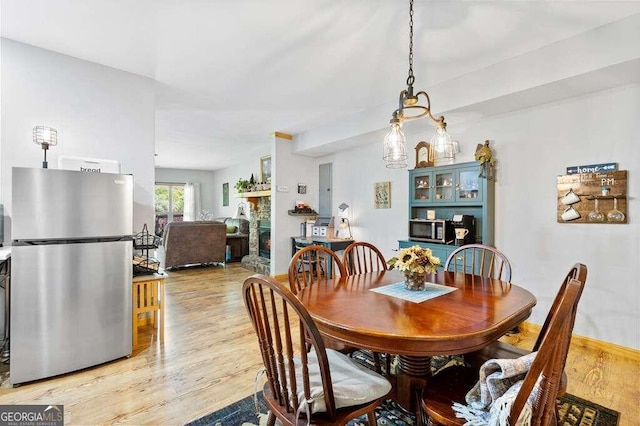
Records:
x=401, y=164
x=343, y=210
x=395, y=147
x=344, y=229
x=240, y=214
x=444, y=147
x=45, y=136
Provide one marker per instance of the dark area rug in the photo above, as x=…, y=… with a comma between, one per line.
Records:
x=573, y=411
x=243, y=411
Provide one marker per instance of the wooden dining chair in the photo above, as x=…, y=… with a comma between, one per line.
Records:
x=361, y=257
x=543, y=377
x=479, y=259
x=312, y=264
x=502, y=350
x=483, y=260
x=303, y=384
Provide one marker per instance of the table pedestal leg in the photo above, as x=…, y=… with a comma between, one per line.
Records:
x=413, y=372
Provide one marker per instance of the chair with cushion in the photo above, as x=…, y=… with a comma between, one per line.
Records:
x=541, y=382
x=311, y=264
x=318, y=384
x=360, y=257
x=479, y=259
x=501, y=350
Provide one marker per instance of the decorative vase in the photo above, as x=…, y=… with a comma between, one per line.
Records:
x=415, y=281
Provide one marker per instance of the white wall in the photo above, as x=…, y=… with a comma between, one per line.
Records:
x=532, y=147
x=99, y=112
x=208, y=200
x=289, y=170
x=105, y=113
x=355, y=173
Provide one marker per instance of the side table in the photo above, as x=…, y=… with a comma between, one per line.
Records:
x=239, y=246
x=335, y=244
x=148, y=296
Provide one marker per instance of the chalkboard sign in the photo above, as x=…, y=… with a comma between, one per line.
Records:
x=593, y=168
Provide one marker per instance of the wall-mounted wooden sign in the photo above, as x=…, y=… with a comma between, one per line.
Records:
x=593, y=198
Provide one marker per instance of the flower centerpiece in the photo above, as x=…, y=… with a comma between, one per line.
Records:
x=416, y=263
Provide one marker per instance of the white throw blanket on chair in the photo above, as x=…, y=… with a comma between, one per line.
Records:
x=490, y=400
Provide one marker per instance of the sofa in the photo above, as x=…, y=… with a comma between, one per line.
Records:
x=188, y=243
x=235, y=226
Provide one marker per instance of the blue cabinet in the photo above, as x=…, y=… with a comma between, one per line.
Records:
x=454, y=189
x=428, y=187
x=441, y=251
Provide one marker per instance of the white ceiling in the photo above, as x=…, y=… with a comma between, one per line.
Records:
x=230, y=73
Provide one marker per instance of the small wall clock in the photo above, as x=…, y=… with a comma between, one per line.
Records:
x=424, y=156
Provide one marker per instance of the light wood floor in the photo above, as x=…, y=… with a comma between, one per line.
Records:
x=209, y=359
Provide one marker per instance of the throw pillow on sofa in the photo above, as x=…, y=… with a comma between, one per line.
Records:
x=231, y=229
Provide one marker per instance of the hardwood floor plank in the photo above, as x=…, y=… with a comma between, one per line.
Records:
x=209, y=359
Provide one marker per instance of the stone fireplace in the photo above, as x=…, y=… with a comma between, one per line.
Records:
x=258, y=259
x=264, y=239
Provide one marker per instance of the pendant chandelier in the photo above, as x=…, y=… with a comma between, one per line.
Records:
x=409, y=108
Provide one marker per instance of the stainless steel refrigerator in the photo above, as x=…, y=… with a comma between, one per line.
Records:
x=71, y=271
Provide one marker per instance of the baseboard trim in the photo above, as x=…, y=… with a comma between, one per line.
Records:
x=591, y=343
x=281, y=277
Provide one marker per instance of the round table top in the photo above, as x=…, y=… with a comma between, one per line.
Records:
x=476, y=313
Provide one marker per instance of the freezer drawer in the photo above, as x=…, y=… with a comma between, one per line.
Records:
x=70, y=307
x=50, y=204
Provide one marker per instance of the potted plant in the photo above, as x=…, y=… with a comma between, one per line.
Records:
x=242, y=185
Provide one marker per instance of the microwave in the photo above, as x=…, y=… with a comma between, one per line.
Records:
x=431, y=230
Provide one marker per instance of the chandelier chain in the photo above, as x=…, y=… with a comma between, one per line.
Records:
x=410, y=108
x=410, y=78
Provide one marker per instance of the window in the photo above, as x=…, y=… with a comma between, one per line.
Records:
x=169, y=204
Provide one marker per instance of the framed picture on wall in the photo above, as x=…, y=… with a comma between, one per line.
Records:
x=265, y=169
x=382, y=195
x=225, y=194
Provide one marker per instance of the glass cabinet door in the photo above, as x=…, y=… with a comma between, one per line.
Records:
x=468, y=186
x=444, y=186
x=421, y=187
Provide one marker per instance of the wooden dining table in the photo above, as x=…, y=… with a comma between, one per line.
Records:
x=476, y=313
